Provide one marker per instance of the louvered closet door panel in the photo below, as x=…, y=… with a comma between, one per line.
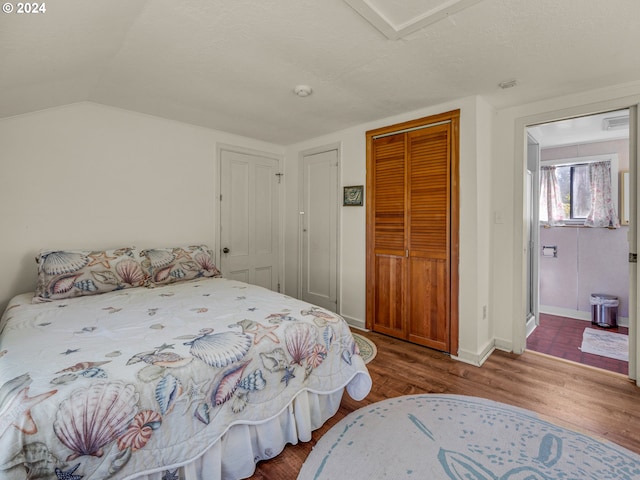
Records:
x=389, y=194
x=428, y=236
x=429, y=192
x=389, y=233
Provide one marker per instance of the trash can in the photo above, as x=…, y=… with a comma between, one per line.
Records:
x=604, y=310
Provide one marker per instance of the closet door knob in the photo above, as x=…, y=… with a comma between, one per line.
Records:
x=225, y=250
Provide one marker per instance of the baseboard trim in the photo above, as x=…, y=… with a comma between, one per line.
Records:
x=354, y=322
x=577, y=314
x=474, y=358
x=504, y=345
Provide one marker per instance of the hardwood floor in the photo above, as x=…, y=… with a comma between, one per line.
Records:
x=562, y=337
x=583, y=398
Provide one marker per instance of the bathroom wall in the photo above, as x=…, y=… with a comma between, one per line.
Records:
x=589, y=260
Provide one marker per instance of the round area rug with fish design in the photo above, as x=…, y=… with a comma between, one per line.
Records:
x=460, y=438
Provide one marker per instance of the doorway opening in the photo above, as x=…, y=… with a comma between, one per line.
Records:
x=576, y=252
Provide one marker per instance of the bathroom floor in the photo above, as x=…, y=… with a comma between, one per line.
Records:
x=562, y=337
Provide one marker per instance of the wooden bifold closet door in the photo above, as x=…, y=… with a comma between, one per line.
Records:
x=412, y=231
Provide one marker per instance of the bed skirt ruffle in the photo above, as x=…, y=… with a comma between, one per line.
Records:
x=235, y=455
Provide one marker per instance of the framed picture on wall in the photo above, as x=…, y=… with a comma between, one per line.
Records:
x=353, y=196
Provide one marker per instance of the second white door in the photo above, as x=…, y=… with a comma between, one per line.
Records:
x=319, y=224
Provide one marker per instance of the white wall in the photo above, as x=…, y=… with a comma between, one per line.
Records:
x=484, y=221
x=90, y=176
x=508, y=254
x=475, y=136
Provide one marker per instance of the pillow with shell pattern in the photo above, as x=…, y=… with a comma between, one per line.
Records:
x=74, y=273
x=170, y=265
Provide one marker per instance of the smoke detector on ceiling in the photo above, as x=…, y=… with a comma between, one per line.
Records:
x=508, y=84
x=303, y=90
x=615, y=123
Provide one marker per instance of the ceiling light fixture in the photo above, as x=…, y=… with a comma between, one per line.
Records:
x=303, y=90
x=508, y=84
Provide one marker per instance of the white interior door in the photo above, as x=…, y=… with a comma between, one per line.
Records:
x=634, y=221
x=249, y=218
x=320, y=229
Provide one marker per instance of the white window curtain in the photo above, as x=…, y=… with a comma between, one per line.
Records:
x=603, y=212
x=551, y=210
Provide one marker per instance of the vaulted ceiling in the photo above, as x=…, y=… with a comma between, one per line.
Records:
x=232, y=65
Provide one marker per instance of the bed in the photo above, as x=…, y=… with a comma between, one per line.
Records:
x=149, y=365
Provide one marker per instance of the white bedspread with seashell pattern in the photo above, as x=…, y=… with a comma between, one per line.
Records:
x=142, y=381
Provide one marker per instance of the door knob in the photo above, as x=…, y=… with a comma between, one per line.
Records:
x=225, y=250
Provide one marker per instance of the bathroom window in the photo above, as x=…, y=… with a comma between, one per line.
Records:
x=575, y=191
